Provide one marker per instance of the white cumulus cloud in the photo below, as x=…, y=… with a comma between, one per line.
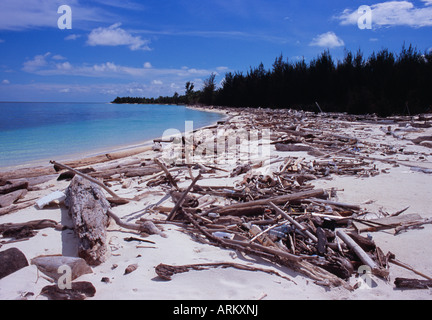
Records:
x=393, y=13
x=327, y=40
x=116, y=36
x=36, y=63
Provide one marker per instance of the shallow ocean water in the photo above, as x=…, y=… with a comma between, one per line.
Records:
x=32, y=132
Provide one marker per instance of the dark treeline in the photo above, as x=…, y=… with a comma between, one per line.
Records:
x=190, y=97
x=176, y=99
x=384, y=83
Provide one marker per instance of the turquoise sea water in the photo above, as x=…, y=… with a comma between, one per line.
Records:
x=31, y=132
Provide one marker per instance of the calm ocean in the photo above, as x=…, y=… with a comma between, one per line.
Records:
x=34, y=132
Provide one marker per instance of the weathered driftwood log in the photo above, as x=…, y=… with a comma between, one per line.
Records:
x=293, y=147
x=241, y=211
x=33, y=181
x=27, y=173
x=11, y=187
x=403, y=283
x=363, y=256
x=94, y=181
x=263, y=202
x=127, y=172
x=15, y=207
x=10, y=198
x=88, y=208
x=108, y=157
x=25, y=229
x=165, y=272
x=68, y=175
x=337, y=204
x=419, y=140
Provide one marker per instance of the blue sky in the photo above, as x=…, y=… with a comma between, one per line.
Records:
x=152, y=47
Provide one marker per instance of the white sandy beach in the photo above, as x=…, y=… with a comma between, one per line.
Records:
x=394, y=188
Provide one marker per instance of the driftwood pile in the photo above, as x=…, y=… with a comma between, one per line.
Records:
x=282, y=218
x=278, y=216
x=299, y=230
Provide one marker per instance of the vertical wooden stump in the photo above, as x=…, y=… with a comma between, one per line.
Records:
x=88, y=208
